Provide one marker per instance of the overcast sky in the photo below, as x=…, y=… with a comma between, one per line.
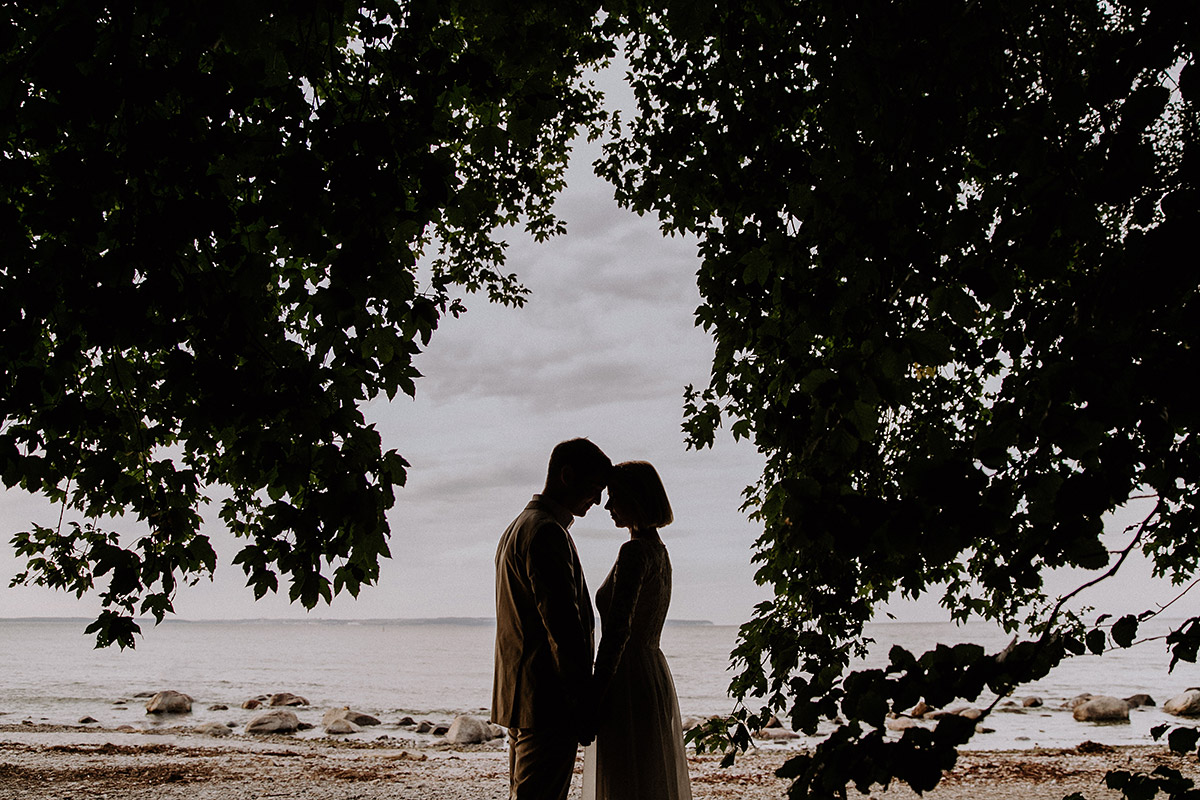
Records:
x=603, y=349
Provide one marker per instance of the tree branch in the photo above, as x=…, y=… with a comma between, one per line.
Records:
x=1141, y=529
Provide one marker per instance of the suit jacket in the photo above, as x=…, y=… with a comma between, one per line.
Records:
x=544, y=621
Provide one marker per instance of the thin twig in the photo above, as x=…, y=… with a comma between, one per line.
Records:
x=1172, y=602
x=1141, y=529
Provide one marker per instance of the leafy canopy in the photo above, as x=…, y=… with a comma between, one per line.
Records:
x=945, y=261
x=948, y=262
x=212, y=216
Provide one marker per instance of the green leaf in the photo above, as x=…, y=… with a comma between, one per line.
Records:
x=1183, y=740
x=1124, y=630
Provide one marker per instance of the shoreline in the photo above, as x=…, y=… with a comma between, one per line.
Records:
x=54, y=761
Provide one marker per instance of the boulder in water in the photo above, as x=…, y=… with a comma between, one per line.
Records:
x=1139, y=700
x=169, y=702
x=355, y=717
x=466, y=729
x=1078, y=700
x=920, y=710
x=279, y=720
x=1184, y=705
x=775, y=734
x=340, y=726
x=1102, y=709
x=900, y=723
x=212, y=729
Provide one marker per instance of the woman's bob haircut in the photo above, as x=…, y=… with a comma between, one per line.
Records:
x=637, y=484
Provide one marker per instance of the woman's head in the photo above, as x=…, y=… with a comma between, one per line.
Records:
x=636, y=497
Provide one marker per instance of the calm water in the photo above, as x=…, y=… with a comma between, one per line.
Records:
x=49, y=672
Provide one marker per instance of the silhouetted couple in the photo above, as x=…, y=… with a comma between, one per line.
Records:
x=546, y=690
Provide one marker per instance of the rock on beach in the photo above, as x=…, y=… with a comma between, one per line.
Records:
x=286, y=699
x=920, y=710
x=776, y=734
x=1139, y=700
x=900, y=723
x=466, y=729
x=1184, y=705
x=279, y=720
x=1102, y=709
x=169, y=702
x=967, y=712
x=341, y=726
x=1078, y=700
x=212, y=729
x=346, y=713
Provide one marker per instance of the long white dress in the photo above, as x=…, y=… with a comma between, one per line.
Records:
x=639, y=752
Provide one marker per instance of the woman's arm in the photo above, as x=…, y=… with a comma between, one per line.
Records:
x=628, y=576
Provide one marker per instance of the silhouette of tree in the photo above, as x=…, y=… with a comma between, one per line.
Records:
x=946, y=254
x=212, y=215
x=944, y=247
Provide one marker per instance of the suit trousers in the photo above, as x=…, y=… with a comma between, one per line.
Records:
x=540, y=763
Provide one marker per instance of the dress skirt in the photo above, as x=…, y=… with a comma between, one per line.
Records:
x=639, y=751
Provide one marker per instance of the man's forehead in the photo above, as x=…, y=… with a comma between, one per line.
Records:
x=595, y=479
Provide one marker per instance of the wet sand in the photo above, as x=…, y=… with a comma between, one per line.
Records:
x=63, y=763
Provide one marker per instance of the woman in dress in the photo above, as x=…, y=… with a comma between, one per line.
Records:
x=639, y=743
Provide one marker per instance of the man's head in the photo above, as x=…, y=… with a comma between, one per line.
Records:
x=577, y=475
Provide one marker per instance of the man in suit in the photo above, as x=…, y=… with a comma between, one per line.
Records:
x=544, y=627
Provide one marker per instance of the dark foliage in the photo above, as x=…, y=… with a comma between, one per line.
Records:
x=212, y=215
x=946, y=252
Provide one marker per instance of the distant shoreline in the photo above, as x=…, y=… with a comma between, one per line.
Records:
x=467, y=621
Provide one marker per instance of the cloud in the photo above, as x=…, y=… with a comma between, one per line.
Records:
x=599, y=325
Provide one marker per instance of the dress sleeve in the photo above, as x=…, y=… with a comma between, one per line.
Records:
x=627, y=578
x=555, y=587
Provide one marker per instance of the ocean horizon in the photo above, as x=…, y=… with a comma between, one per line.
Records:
x=317, y=620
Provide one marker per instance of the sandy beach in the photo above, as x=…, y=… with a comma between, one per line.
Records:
x=63, y=763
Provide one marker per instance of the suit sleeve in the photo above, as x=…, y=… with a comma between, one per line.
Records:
x=551, y=567
x=628, y=576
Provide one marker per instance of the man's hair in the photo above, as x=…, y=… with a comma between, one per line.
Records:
x=583, y=456
x=636, y=483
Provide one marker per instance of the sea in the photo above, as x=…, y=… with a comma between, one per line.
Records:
x=51, y=674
